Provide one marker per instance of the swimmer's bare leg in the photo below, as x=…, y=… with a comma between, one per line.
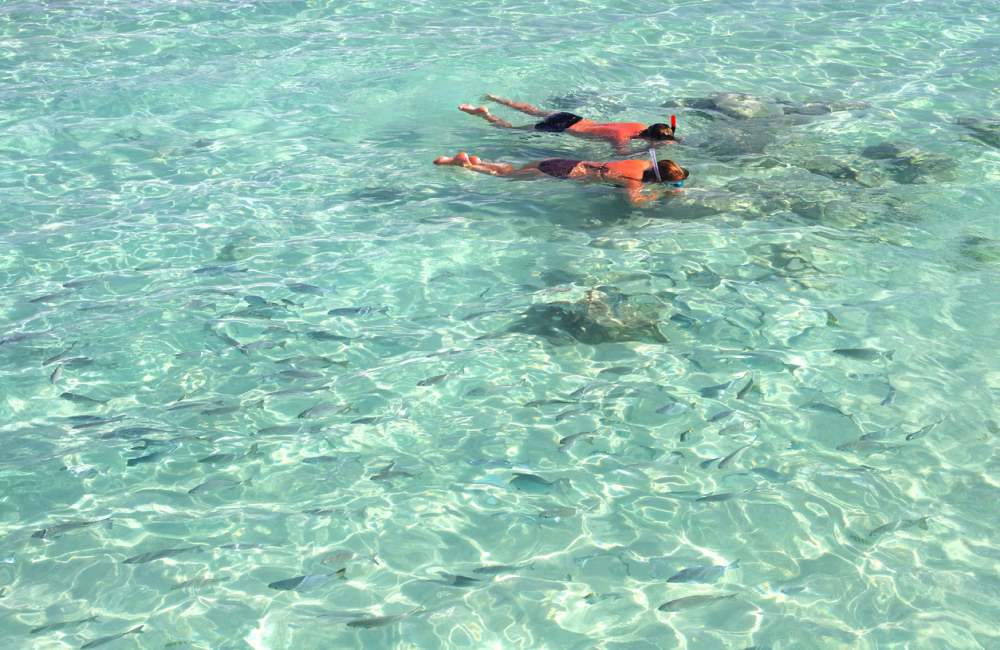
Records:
x=483, y=112
x=519, y=106
x=476, y=164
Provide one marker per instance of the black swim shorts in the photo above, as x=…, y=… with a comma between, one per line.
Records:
x=557, y=122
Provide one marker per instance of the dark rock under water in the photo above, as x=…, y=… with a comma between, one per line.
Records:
x=985, y=130
x=910, y=165
x=604, y=315
x=742, y=106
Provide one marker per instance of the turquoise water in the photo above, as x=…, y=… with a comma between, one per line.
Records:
x=250, y=334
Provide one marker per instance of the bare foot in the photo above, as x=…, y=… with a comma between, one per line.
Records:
x=490, y=97
x=474, y=110
x=461, y=159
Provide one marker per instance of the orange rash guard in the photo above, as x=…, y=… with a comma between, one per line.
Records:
x=617, y=131
x=624, y=172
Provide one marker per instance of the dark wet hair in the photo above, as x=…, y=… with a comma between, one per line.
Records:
x=670, y=172
x=658, y=131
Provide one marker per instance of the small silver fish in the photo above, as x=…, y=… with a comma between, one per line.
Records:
x=705, y=574
x=126, y=433
x=722, y=496
x=98, y=421
x=221, y=410
x=59, y=357
x=568, y=413
x=51, y=627
x=148, y=458
x=920, y=433
x=825, y=408
x=357, y=311
x=81, y=399
x=691, y=601
x=593, y=599
x=198, y=582
x=530, y=483
x=388, y=473
x=902, y=524
x=454, y=580
x=217, y=484
x=318, y=460
x=302, y=287
x=230, y=456
x=725, y=413
x=152, y=556
x=728, y=459
x=430, y=381
x=338, y=557
x=299, y=583
x=557, y=513
x=294, y=373
x=546, y=402
x=58, y=529
x=864, y=354
x=867, y=446
x=567, y=441
x=379, y=621
x=320, y=335
x=278, y=429
x=320, y=409
x=715, y=391
x=218, y=458
x=498, y=569
x=705, y=464
x=109, y=639
x=770, y=474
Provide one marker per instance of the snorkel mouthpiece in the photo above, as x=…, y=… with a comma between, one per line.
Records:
x=656, y=165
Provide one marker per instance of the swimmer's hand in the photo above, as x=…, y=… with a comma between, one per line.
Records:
x=638, y=199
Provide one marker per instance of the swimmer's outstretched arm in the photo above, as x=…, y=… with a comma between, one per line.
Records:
x=476, y=164
x=518, y=106
x=636, y=198
x=621, y=146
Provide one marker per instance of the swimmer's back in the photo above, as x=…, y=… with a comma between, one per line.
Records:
x=613, y=130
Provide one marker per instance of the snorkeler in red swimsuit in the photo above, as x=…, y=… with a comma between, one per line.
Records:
x=630, y=175
x=618, y=133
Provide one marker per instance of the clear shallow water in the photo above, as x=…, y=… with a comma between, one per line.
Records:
x=190, y=189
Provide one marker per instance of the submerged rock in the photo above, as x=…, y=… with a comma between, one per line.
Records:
x=980, y=249
x=911, y=165
x=984, y=130
x=837, y=170
x=742, y=106
x=604, y=315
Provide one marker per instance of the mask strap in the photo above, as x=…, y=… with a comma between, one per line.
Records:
x=656, y=165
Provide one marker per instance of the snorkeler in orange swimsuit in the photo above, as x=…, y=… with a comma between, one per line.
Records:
x=631, y=175
x=618, y=133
